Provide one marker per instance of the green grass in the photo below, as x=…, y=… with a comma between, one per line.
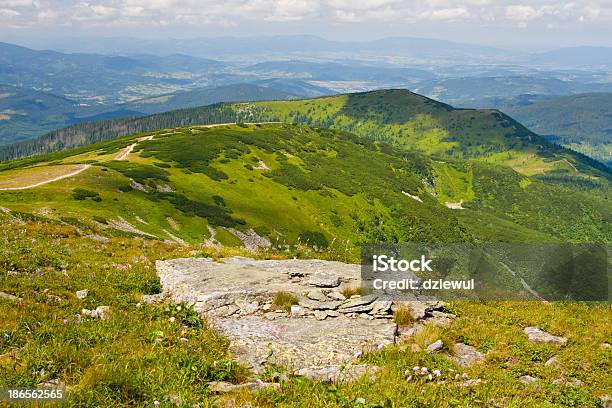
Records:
x=137, y=355
x=284, y=301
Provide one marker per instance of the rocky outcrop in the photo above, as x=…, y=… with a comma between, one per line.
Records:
x=323, y=331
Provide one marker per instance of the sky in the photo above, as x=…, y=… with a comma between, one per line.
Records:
x=508, y=23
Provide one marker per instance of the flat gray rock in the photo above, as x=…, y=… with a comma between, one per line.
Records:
x=360, y=301
x=299, y=343
x=466, y=356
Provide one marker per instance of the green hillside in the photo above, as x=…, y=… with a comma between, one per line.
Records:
x=581, y=122
x=400, y=117
x=294, y=184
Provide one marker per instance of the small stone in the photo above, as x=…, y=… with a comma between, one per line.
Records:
x=606, y=401
x=332, y=313
x=103, y=312
x=536, y=335
x=317, y=294
x=9, y=297
x=89, y=313
x=435, y=346
x=323, y=280
x=360, y=301
x=527, y=379
x=320, y=315
x=297, y=310
x=606, y=345
x=336, y=295
x=466, y=356
x=551, y=362
x=366, y=316
x=151, y=298
x=82, y=294
x=174, y=399
x=223, y=311
x=471, y=383
x=568, y=382
x=409, y=331
x=266, y=307
x=381, y=307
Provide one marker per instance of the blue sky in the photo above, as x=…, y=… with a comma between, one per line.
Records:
x=497, y=22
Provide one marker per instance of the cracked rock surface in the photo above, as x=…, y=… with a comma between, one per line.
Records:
x=320, y=333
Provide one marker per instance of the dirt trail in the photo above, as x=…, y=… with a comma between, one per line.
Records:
x=41, y=183
x=122, y=155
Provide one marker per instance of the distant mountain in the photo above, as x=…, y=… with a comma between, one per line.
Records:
x=94, y=78
x=26, y=113
x=280, y=45
x=340, y=72
x=497, y=91
x=582, y=122
x=575, y=56
x=206, y=96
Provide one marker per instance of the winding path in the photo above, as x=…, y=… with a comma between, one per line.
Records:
x=41, y=183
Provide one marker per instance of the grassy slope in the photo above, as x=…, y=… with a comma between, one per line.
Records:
x=313, y=181
x=120, y=362
x=582, y=122
x=412, y=121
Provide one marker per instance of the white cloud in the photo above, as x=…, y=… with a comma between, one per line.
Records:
x=233, y=12
x=450, y=13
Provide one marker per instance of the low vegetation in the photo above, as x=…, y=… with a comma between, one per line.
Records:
x=284, y=301
x=160, y=352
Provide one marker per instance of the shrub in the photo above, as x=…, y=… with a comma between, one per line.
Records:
x=284, y=301
x=83, y=194
x=351, y=291
x=99, y=219
x=403, y=316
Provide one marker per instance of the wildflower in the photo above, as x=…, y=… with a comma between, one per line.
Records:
x=156, y=403
x=430, y=377
x=178, y=308
x=456, y=376
x=437, y=373
x=172, y=319
x=416, y=368
x=424, y=371
x=65, y=321
x=184, y=339
x=358, y=354
x=409, y=378
x=381, y=346
x=465, y=375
